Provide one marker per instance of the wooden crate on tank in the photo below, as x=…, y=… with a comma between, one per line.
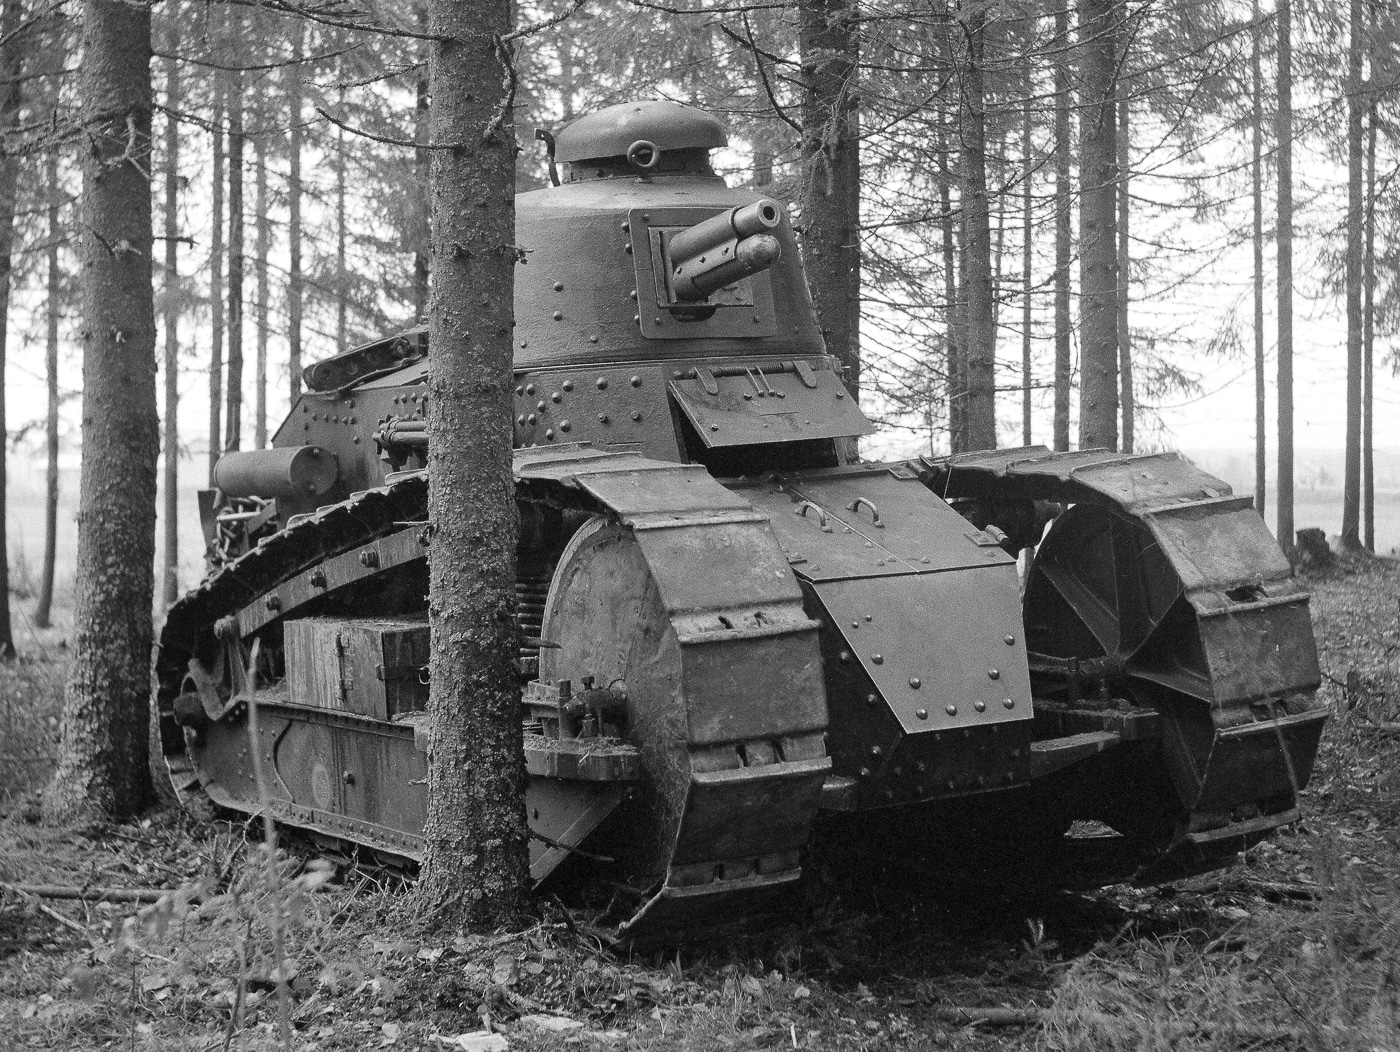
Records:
x=368, y=666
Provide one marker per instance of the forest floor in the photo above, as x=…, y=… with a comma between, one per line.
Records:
x=1296, y=947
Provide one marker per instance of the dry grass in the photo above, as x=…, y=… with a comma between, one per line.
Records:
x=1249, y=959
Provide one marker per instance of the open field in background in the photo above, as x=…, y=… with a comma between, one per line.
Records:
x=1297, y=948
x=25, y=522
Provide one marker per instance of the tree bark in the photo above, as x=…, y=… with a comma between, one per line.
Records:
x=262, y=247
x=1283, y=133
x=102, y=767
x=1261, y=439
x=170, y=583
x=1098, y=259
x=1064, y=364
x=957, y=426
x=233, y=412
x=1027, y=245
x=11, y=71
x=828, y=43
x=43, y=614
x=977, y=244
x=1368, y=351
x=421, y=171
x=1356, y=174
x=216, y=285
x=1125, y=345
x=476, y=868
x=342, y=283
x=294, y=278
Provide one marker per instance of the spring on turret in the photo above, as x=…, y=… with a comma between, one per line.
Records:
x=531, y=590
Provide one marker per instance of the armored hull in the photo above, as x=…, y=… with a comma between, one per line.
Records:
x=729, y=624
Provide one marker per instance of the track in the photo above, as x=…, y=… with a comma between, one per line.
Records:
x=675, y=528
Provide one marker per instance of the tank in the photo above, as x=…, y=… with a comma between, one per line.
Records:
x=733, y=631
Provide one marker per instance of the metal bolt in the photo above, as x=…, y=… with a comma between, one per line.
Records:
x=865, y=772
x=980, y=705
x=568, y=385
x=349, y=778
x=1009, y=639
x=318, y=578
x=875, y=750
x=636, y=414
x=602, y=418
x=531, y=419
x=656, y=321
x=369, y=559
x=274, y=603
x=714, y=427
x=845, y=657
x=564, y=425
x=1008, y=703
x=529, y=390
x=636, y=381
x=518, y=390
x=601, y=383
x=993, y=674
x=915, y=682
x=541, y=406
x=549, y=435
x=921, y=713
x=556, y=398
x=558, y=286
x=872, y=699
x=877, y=659
x=951, y=710
x=520, y=419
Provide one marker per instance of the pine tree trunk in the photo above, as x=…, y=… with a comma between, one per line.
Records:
x=342, y=282
x=1027, y=245
x=1125, y=346
x=102, y=768
x=1356, y=174
x=1064, y=365
x=11, y=70
x=1098, y=250
x=233, y=413
x=170, y=578
x=43, y=614
x=421, y=170
x=476, y=869
x=216, y=285
x=1257, y=186
x=957, y=427
x=1283, y=134
x=1368, y=351
x=977, y=246
x=828, y=42
x=294, y=136
x=262, y=247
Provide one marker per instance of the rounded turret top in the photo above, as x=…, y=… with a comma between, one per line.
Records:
x=613, y=131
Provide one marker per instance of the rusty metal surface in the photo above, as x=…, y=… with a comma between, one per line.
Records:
x=864, y=521
x=755, y=408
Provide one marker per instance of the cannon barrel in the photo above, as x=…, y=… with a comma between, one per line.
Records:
x=291, y=471
x=723, y=249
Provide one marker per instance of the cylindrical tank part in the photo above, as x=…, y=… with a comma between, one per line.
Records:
x=724, y=249
x=744, y=221
x=289, y=471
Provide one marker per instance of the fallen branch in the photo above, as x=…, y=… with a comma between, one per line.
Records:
x=62, y=891
x=48, y=912
x=1030, y=1017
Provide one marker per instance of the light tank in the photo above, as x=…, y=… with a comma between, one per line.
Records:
x=730, y=625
